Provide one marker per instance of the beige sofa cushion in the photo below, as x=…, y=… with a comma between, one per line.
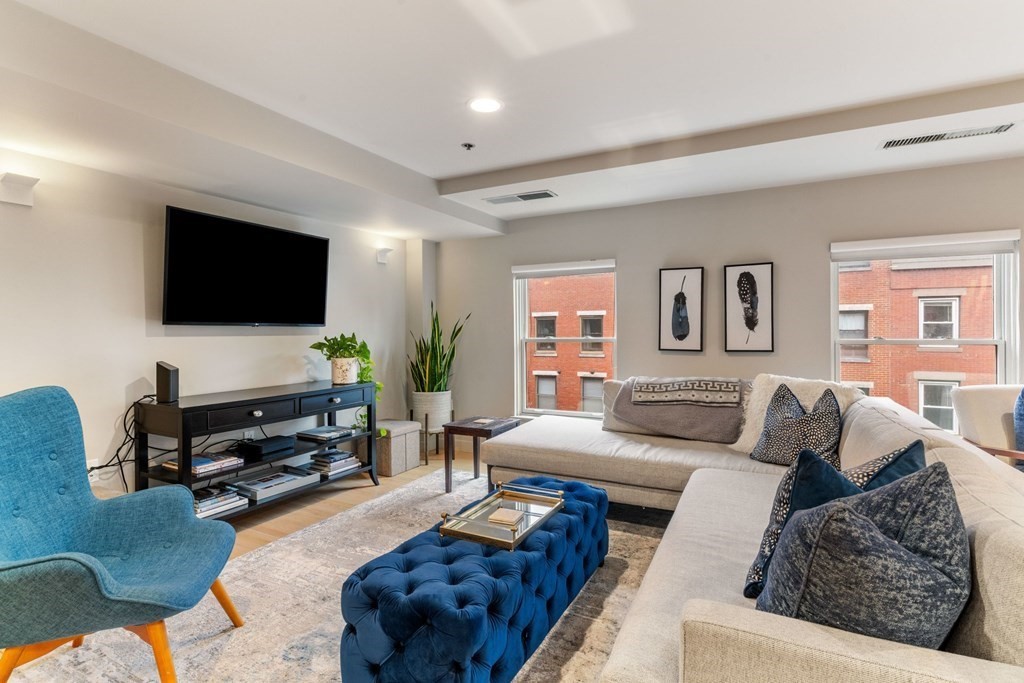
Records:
x=705, y=553
x=993, y=509
x=808, y=391
x=569, y=447
x=873, y=427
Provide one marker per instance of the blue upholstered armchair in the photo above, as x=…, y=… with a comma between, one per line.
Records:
x=70, y=564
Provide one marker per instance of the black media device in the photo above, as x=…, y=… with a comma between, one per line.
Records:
x=219, y=271
x=260, y=447
x=166, y=382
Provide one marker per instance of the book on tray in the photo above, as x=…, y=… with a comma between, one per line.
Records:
x=324, y=433
x=213, y=500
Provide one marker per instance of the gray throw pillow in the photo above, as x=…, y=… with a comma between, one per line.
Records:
x=789, y=429
x=892, y=563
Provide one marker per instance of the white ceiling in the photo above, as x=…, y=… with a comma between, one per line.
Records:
x=392, y=77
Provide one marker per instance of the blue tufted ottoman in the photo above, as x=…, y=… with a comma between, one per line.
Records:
x=441, y=609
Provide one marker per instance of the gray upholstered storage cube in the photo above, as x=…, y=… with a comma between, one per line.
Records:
x=399, y=450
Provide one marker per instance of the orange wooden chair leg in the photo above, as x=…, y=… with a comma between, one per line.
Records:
x=9, y=661
x=157, y=633
x=221, y=594
x=77, y=642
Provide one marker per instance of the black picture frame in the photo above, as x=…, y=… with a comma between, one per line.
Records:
x=681, y=289
x=749, y=294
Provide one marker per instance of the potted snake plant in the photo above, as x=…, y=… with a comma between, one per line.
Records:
x=431, y=368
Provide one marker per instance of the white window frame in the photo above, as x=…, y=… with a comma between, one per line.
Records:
x=921, y=384
x=1003, y=245
x=954, y=302
x=520, y=277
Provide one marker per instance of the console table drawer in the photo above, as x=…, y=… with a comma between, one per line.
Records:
x=251, y=414
x=328, y=402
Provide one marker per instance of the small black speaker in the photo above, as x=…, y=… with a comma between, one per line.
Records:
x=166, y=382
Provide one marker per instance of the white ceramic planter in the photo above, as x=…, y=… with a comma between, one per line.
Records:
x=344, y=370
x=435, y=404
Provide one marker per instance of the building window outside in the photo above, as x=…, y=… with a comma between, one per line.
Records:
x=936, y=401
x=853, y=325
x=939, y=318
x=547, y=392
x=544, y=327
x=592, y=391
x=592, y=326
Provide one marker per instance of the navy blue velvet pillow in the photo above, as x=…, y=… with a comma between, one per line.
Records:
x=810, y=482
x=892, y=563
x=789, y=429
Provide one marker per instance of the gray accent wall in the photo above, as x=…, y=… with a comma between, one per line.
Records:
x=791, y=226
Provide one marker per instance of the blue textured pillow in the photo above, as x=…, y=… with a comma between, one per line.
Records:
x=789, y=429
x=892, y=563
x=810, y=482
x=1018, y=423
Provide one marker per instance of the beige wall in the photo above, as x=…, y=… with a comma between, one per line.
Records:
x=80, y=300
x=790, y=226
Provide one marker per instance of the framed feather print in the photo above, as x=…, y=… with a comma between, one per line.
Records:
x=681, y=309
x=749, y=307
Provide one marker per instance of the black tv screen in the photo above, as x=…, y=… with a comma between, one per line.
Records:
x=219, y=271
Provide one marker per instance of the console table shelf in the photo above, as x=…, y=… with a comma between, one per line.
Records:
x=204, y=415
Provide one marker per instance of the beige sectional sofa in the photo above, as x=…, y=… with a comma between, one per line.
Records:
x=689, y=620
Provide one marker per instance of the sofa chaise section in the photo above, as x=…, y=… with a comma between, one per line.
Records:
x=635, y=469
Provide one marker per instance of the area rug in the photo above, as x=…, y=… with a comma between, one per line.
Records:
x=289, y=593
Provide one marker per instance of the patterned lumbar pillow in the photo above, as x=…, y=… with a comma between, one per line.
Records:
x=892, y=563
x=810, y=482
x=789, y=429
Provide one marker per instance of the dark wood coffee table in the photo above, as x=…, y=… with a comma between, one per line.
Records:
x=479, y=430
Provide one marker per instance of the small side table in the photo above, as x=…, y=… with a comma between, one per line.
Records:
x=480, y=428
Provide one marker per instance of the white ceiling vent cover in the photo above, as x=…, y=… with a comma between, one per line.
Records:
x=521, y=197
x=950, y=135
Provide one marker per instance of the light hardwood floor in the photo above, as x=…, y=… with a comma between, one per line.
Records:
x=265, y=526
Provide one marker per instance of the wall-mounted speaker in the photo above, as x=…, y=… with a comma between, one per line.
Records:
x=166, y=382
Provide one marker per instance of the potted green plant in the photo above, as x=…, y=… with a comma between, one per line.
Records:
x=431, y=369
x=348, y=355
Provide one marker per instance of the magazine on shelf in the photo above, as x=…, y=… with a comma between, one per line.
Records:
x=337, y=456
x=222, y=508
x=337, y=467
x=211, y=495
x=326, y=433
x=208, y=463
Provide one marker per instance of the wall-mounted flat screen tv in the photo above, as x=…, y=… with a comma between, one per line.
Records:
x=219, y=271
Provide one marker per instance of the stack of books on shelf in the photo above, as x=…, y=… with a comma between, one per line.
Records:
x=324, y=433
x=205, y=464
x=333, y=463
x=274, y=483
x=216, y=500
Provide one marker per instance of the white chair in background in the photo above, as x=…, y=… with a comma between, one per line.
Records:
x=985, y=416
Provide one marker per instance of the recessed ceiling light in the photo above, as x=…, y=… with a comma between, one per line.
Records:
x=485, y=105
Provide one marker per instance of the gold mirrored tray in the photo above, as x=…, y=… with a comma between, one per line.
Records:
x=536, y=504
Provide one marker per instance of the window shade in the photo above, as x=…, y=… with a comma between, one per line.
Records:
x=959, y=244
x=571, y=268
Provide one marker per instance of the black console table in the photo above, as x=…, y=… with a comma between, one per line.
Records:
x=208, y=414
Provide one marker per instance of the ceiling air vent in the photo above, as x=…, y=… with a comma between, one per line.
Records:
x=950, y=135
x=521, y=197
